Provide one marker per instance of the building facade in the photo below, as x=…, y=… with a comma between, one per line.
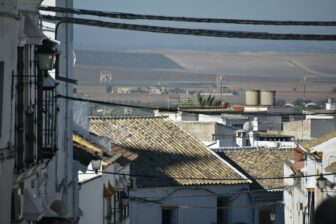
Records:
x=36, y=168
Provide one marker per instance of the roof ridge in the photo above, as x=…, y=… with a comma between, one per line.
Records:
x=125, y=117
x=251, y=148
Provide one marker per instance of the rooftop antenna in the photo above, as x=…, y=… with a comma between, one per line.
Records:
x=304, y=88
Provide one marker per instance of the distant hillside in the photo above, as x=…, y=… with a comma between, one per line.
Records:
x=125, y=60
x=262, y=64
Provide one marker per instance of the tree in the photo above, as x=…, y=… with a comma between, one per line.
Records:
x=207, y=100
x=301, y=102
x=280, y=102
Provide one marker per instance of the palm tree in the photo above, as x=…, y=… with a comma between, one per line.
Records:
x=207, y=101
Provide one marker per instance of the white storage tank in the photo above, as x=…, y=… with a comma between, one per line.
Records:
x=331, y=104
x=267, y=97
x=252, y=97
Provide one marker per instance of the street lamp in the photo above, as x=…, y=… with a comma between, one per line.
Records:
x=46, y=55
x=323, y=182
x=96, y=163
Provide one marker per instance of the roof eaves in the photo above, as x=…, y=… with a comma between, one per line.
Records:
x=90, y=179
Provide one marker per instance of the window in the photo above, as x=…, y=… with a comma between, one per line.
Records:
x=2, y=67
x=49, y=116
x=169, y=215
x=264, y=216
x=311, y=202
x=116, y=208
x=223, y=210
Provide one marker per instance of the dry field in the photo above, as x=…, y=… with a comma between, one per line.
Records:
x=283, y=72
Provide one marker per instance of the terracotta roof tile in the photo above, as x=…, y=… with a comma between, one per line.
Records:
x=261, y=163
x=165, y=151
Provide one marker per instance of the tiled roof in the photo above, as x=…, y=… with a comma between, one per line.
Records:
x=261, y=163
x=118, y=154
x=165, y=151
x=272, y=135
x=127, y=156
x=214, y=110
x=85, y=150
x=307, y=145
x=83, y=143
x=331, y=168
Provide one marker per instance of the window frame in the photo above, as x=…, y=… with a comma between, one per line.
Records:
x=223, y=215
x=173, y=214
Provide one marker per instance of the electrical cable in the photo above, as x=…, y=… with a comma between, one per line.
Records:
x=105, y=103
x=193, y=32
x=132, y=16
x=207, y=207
x=216, y=194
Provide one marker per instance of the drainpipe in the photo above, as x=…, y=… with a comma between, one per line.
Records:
x=19, y=127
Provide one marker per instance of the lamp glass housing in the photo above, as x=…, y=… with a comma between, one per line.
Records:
x=96, y=164
x=321, y=182
x=46, y=60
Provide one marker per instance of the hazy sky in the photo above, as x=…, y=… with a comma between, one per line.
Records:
x=107, y=39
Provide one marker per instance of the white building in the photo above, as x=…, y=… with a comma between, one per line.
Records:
x=177, y=116
x=173, y=174
x=209, y=132
x=9, y=22
x=103, y=195
x=294, y=196
x=328, y=150
x=304, y=195
x=314, y=126
x=43, y=187
x=234, y=120
x=264, y=139
x=267, y=194
x=331, y=104
x=190, y=204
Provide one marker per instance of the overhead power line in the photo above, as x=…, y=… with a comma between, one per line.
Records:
x=246, y=191
x=186, y=206
x=171, y=109
x=131, y=16
x=192, y=32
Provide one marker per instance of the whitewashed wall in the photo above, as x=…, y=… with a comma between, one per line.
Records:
x=150, y=213
x=91, y=197
x=329, y=156
x=206, y=117
x=294, y=196
x=91, y=201
x=9, y=37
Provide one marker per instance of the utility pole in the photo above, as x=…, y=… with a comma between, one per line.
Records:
x=220, y=80
x=304, y=88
